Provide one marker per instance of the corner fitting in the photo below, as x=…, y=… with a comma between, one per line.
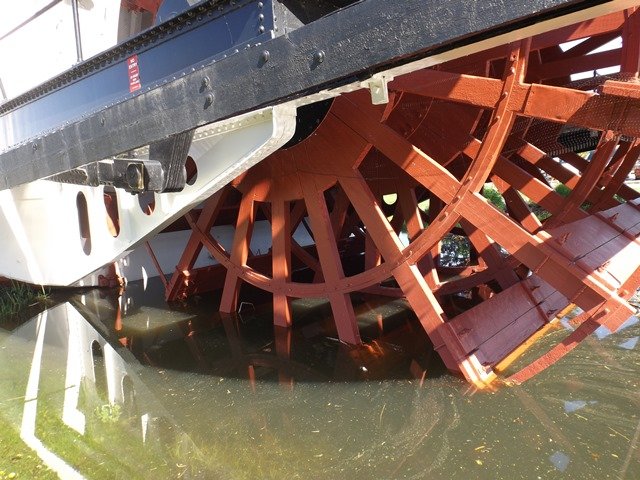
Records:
x=378, y=86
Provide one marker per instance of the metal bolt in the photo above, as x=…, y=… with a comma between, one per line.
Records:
x=319, y=56
x=261, y=29
x=206, y=82
x=208, y=100
x=134, y=176
x=265, y=56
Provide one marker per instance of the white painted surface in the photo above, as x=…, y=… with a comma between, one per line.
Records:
x=39, y=224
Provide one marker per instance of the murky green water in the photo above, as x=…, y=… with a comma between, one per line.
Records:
x=108, y=387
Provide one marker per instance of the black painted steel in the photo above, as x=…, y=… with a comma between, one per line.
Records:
x=172, y=154
x=134, y=176
x=163, y=53
x=348, y=45
x=574, y=139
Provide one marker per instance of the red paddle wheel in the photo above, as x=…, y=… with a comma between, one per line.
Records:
x=380, y=187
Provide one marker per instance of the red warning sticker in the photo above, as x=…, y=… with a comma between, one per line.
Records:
x=134, y=74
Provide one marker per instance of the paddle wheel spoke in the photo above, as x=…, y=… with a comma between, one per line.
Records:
x=281, y=259
x=239, y=254
x=329, y=259
x=208, y=215
x=415, y=226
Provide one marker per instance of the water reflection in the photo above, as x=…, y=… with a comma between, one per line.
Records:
x=104, y=386
x=83, y=396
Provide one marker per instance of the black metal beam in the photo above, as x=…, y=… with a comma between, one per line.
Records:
x=350, y=44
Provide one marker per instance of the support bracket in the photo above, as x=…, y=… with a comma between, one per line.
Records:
x=163, y=172
x=378, y=86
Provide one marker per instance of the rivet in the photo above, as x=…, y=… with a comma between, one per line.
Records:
x=319, y=56
x=265, y=56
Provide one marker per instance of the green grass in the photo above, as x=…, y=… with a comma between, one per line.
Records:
x=16, y=297
x=562, y=190
x=495, y=198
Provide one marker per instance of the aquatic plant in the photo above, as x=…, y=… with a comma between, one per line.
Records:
x=108, y=413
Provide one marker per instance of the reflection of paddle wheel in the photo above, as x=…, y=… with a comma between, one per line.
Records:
x=359, y=176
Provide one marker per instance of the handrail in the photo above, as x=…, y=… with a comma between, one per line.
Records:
x=76, y=29
x=44, y=9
